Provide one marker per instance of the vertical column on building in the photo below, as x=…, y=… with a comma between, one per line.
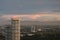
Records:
x=15, y=27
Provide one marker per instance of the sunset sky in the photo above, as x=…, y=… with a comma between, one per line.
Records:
x=33, y=10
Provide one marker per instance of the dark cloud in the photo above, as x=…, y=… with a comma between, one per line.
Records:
x=55, y=10
x=28, y=6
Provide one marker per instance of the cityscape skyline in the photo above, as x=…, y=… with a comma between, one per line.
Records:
x=29, y=19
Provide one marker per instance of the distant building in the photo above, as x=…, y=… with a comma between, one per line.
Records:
x=8, y=33
x=33, y=29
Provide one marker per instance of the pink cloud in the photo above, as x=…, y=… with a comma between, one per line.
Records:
x=33, y=16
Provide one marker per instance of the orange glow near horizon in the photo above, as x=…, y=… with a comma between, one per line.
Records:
x=15, y=17
x=34, y=16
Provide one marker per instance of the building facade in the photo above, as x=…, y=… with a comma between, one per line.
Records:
x=13, y=32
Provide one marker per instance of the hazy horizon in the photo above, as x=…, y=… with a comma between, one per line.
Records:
x=32, y=17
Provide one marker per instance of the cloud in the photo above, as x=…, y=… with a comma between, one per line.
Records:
x=33, y=16
x=56, y=10
x=4, y=19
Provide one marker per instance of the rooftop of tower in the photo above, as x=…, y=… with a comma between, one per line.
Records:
x=15, y=17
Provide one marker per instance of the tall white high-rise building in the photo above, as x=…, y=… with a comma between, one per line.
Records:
x=33, y=29
x=13, y=32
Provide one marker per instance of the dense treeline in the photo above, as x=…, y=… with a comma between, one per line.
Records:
x=2, y=37
x=43, y=36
